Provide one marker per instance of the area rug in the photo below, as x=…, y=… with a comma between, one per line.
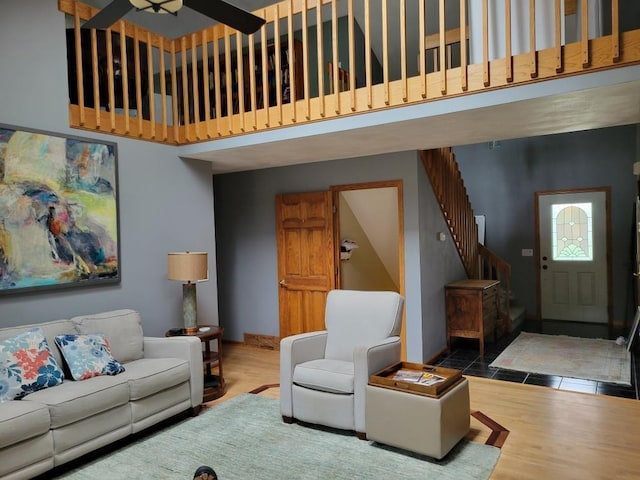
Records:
x=244, y=438
x=586, y=358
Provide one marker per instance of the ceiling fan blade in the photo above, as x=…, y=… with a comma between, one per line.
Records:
x=228, y=14
x=109, y=14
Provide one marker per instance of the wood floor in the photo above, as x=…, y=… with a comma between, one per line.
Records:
x=553, y=434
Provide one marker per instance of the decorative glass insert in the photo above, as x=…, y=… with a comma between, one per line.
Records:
x=572, y=232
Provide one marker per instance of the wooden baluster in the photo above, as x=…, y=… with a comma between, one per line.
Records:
x=385, y=52
x=507, y=42
x=229, y=80
x=443, y=63
x=278, y=70
x=558, y=34
x=352, y=56
x=217, y=78
x=463, y=46
x=194, y=85
x=174, y=93
x=305, y=59
x=185, y=88
x=320, y=58
x=138, y=76
x=79, y=71
x=240, y=69
x=485, y=43
x=335, y=71
x=125, y=76
x=206, y=82
x=584, y=23
x=291, y=64
x=422, y=60
x=110, y=81
x=152, y=105
x=252, y=82
x=163, y=90
x=403, y=50
x=265, y=73
x=96, y=76
x=533, y=57
x=367, y=51
x=615, y=31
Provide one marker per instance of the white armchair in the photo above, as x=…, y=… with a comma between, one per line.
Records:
x=323, y=375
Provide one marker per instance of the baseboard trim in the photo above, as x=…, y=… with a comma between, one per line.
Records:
x=263, y=341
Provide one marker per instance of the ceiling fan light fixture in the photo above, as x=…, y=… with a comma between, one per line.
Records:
x=159, y=6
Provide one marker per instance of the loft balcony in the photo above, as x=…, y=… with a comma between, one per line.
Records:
x=369, y=56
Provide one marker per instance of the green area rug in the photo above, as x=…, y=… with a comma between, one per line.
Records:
x=244, y=438
x=587, y=358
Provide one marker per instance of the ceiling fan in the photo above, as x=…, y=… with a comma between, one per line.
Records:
x=218, y=10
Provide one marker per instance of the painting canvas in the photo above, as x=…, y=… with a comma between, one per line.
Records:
x=58, y=211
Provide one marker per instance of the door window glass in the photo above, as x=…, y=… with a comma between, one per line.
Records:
x=572, y=231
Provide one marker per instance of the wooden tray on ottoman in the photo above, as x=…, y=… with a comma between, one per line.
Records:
x=416, y=378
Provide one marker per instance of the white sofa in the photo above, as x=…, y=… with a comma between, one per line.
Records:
x=163, y=377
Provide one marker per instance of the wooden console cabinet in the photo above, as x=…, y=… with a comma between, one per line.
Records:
x=472, y=309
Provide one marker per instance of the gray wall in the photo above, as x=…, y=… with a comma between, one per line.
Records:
x=501, y=185
x=247, y=252
x=165, y=203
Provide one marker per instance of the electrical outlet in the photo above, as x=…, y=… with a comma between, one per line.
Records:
x=527, y=252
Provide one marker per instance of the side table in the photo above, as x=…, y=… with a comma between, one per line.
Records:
x=214, y=386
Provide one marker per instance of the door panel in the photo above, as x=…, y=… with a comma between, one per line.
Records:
x=573, y=255
x=305, y=260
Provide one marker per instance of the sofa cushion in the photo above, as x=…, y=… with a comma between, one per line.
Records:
x=27, y=365
x=123, y=329
x=88, y=356
x=335, y=376
x=50, y=330
x=148, y=376
x=74, y=401
x=21, y=421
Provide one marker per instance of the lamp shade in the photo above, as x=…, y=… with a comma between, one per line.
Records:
x=188, y=266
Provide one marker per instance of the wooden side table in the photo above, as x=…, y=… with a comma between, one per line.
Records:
x=214, y=386
x=472, y=310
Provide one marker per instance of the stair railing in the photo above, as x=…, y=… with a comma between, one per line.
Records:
x=479, y=261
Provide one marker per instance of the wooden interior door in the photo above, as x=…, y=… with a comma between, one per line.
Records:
x=306, y=265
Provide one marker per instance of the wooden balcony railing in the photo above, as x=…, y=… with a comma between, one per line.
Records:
x=218, y=82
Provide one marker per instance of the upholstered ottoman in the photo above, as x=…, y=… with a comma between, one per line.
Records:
x=418, y=423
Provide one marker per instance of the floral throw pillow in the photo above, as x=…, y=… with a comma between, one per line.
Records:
x=27, y=365
x=88, y=356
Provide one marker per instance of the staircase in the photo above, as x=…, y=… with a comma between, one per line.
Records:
x=479, y=261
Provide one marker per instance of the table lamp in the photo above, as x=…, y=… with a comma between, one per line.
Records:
x=188, y=267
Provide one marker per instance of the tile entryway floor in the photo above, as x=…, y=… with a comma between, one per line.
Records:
x=465, y=356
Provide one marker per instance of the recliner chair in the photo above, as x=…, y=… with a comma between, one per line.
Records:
x=323, y=375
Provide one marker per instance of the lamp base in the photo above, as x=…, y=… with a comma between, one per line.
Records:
x=189, y=310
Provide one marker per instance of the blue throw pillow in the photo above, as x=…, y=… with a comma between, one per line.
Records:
x=27, y=365
x=88, y=356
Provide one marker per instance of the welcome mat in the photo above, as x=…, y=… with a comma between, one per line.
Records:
x=586, y=358
x=244, y=438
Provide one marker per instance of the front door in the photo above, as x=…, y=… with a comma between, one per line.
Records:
x=573, y=252
x=306, y=267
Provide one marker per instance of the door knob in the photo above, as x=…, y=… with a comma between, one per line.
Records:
x=283, y=284
x=544, y=267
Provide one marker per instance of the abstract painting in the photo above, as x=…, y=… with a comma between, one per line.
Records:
x=58, y=211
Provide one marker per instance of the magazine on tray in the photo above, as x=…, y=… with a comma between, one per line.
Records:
x=416, y=376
